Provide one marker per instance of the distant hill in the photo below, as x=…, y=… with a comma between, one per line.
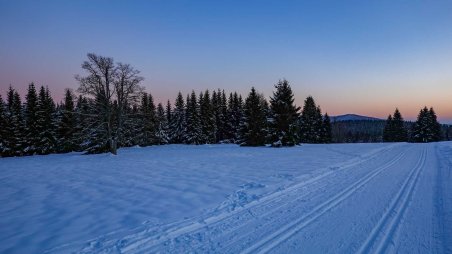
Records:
x=353, y=117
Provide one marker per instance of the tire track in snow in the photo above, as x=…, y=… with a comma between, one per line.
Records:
x=145, y=242
x=382, y=234
x=282, y=234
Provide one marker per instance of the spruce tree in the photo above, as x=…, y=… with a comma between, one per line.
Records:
x=284, y=116
x=67, y=125
x=15, y=127
x=31, y=120
x=399, y=132
x=422, y=128
x=233, y=117
x=168, y=112
x=229, y=128
x=253, y=129
x=193, y=123
x=161, y=135
x=327, y=135
x=46, y=125
x=436, y=134
x=83, y=125
x=148, y=121
x=309, y=122
x=177, y=124
x=3, y=129
x=388, y=132
x=207, y=118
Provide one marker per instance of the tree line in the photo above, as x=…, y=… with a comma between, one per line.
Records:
x=112, y=110
x=425, y=129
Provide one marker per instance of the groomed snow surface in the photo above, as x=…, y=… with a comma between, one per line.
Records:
x=339, y=198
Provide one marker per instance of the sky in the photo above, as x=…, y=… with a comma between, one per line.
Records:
x=362, y=57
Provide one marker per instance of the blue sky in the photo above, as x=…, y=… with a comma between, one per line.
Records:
x=364, y=57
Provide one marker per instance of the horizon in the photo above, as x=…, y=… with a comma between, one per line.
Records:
x=353, y=58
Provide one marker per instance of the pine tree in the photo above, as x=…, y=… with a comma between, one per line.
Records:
x=31, y=120
x=327, y=135
x=177, y=125
x=67, y=125
x=309, y=122
x=284, y=116
x=253, y=129
x=162, y=129
x=193, y=123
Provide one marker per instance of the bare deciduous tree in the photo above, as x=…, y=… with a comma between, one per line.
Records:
x=107, y=83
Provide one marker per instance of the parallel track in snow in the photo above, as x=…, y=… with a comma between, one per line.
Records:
x=383, y=233
x=284, y=233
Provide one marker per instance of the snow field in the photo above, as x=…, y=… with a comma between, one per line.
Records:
x=346, y=198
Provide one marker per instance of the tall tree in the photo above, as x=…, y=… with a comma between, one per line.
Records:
x=436, y=134
x=207, y=116
x=327, y=135
x=3, y=129
x=309, y=122
x=388, y=132
x=193, y=123
x=107, y=83
x=46, y=122
x=168, y=112
x=128, y=92
x=83, y=123
x=162, y=135
x=177, y=125
x=31, y=120
x=67, y=124
x=15, y=125
x=148, y=120
x=398, y=124
x=253, y=129
x=284, y=116
x=423, y=129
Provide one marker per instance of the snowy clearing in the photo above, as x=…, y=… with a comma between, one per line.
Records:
x=340, y=198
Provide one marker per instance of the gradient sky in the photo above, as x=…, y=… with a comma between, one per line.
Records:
x=364, y=57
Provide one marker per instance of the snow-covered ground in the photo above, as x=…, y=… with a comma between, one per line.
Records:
x=339, y=198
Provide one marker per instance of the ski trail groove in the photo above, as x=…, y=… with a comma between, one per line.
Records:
x=381, y=234
x=150, y=242
x=285, y=232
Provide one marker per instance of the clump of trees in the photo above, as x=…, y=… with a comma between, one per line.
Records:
x=425, y=129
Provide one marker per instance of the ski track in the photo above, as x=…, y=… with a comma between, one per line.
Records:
x=383, y=233
x=286, y=232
